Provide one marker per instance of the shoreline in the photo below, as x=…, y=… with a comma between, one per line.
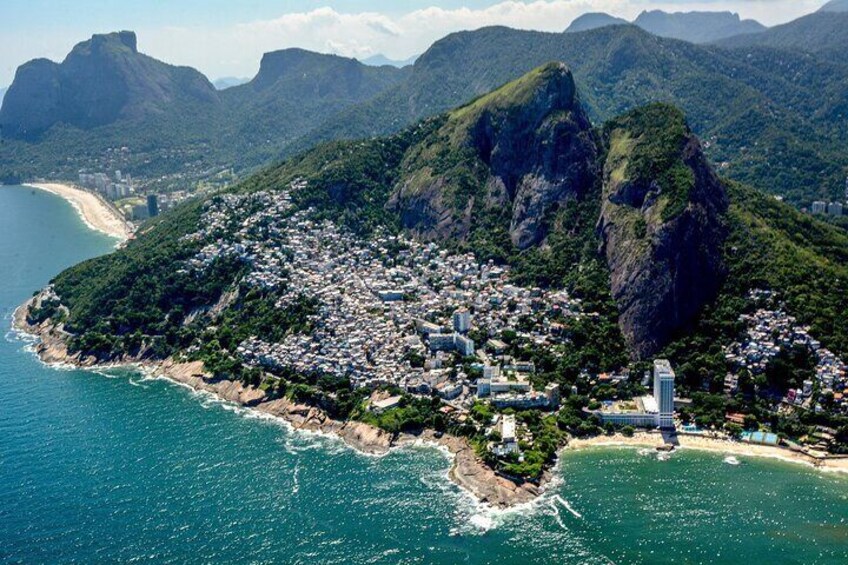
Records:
x=698, y=442
x=467, y=470
x=91, y=208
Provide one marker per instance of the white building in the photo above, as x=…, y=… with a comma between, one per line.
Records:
x=664, y=393
x=464, y=345
x=650, y=411
x=462, y=321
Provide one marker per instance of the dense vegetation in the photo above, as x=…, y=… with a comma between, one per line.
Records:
x=772, y=247
x=657, y=133
x=776, y=118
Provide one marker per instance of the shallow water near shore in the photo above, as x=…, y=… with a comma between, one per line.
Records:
x=115, y=466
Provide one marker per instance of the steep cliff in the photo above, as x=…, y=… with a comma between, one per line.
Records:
x=100, y=81
x=522, y=151
x=661, y=226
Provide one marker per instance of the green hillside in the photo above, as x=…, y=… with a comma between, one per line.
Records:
x=774, y=120
x=824, y=32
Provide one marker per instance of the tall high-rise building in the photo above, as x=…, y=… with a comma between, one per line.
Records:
x=834, y=209
x=462, y=321
x=664, y=393
x=152, y=206
x=819, y=207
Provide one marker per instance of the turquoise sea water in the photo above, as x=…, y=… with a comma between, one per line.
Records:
x=114, y=467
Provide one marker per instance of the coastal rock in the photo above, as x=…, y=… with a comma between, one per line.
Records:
x=468, y=471
x=472, y=474
x=194, y=375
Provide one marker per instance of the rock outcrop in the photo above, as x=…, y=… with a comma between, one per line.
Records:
x=518, y=155
x=661, y=226
x=100, y=81
x=527, y=148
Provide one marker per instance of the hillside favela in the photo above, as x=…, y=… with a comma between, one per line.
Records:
x=437, y=281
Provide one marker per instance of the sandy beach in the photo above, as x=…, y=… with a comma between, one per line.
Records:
x=717, y=445
x=96, y=213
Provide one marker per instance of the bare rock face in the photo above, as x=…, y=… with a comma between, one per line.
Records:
x=661, y=227
x=527, y=148
x=100, y=81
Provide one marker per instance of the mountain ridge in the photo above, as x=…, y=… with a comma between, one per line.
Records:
x=739, y=104
x=823, y=32
x=773, y=119
x=695, y=27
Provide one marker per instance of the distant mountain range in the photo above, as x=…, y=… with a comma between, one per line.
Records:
x=380, y=60
x=594, y=20
x=2, y=94
x=696, y=27
x=771, y=117
x=228, y=82
x=172, y=121
x=101, y=81
x=823, y=32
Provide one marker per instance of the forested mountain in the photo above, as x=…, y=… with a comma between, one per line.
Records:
x=294, y=91
x=824, y=33
x=771, y=118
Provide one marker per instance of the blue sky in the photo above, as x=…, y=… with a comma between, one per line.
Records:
x=228, y=37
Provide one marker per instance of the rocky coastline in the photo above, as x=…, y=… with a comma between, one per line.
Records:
x=468, y=471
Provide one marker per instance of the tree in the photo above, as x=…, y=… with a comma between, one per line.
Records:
x=751, y=422
x=733, y=430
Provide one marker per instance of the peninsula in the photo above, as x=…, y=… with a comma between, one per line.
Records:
x=497, y=279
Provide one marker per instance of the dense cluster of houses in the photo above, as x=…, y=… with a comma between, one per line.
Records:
x=392, y=311
x=770, y=329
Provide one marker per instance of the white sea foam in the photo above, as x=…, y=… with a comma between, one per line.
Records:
x=296, y=486
x=567, y=505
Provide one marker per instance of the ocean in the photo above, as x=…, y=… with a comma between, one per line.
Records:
x=99, y=467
